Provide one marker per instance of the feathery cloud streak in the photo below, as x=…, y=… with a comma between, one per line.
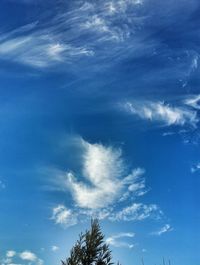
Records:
x=193, y=101
x=163, y=113
x=88, y=25
x=116, y=240
x=166, y=228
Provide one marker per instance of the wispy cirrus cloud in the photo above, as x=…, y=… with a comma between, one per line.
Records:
x=163, y=113
x=137, y=212
x=136, y=184
x=78, y=32
x=118, y=240
x=193, y=101
x=38, y=49
x=104, y=21
x=166, y=228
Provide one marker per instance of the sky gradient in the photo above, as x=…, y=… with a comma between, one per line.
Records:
x=99, y=117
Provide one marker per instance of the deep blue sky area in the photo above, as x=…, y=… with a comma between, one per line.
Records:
x=100, y=118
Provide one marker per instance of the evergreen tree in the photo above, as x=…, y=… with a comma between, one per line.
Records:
x=90, y=248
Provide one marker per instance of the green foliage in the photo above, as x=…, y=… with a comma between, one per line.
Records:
x=90, y=248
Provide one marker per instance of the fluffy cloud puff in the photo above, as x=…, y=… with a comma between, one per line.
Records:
x=24, y=257
x=63, y=216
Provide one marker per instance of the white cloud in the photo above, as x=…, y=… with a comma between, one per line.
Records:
x=55, y=50
x=103, y=20
x=63, y=216
x=2, y=185
x=121, y=6
x=54, y=248
x=25, y=257
x=104, y=172
x=28, y=255
x=39, y=50
x=136, y=184
x=116, y=241
x=194, y=64
x=99, y=25
x=195, y=167
x=80, y=32
x=137, y=212
x=166, y=228
x=163, y=113
x=168, y=134
x=6, y=261
x=99, y=214
x=102, y=167
x=102, y=187
x=96, y=23
x=193, y=101
x=10, y=253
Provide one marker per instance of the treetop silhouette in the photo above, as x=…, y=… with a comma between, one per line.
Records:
x=90, y=248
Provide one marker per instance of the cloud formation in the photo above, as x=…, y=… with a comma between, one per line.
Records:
x=2, y=185
x=102, y=168
x=193, y=101
x=166, y=228
x=28, y=255
x=163, y=113
x=25, y=257
x=10, y=253
x=38, y=49
x=135, y=184
x=137, y=212
x=195, y=167
x=54, y=248
x=90, y=27
x=104, y=188
x=116, y=240
x=63, y=216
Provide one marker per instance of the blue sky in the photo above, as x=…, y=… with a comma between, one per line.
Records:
x=99, y=117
